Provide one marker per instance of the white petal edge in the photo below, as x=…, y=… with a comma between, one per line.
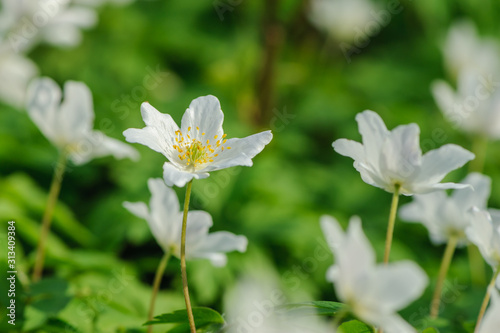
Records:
x=173, y=176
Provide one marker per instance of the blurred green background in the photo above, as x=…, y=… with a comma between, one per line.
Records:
x=271, y=69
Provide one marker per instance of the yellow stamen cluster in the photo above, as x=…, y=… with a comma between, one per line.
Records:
x=196, y=152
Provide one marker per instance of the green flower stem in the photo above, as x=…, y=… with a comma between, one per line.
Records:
x=392, y=221
x=487, y=298
x=156, y=286
x=55, y=188
x=479, y=147
x=476, y=263
x=183, y=259
x=443, y=270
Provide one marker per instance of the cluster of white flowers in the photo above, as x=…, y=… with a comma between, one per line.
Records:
x=474, y=62
x=24, y=24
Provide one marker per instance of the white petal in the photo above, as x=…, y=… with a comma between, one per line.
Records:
x=394, y=286
x=44, y=96
x=438, y=162
x=164, y=203
x=159, y=133
x=242, y=151
x=204, y=112
x=224, y=241
x=444, y=97
x=216, y=244
x=401, y=154
x=477, y=195
x=332, y=231
x=394, y=324
x=350, y=149
x=77, y=111
x=147, y=136
x=428, y=188
x=96, y=144
x=480, y=232
x=139, y=209
x=373, y=132
x=174, y=176
x=16, y=72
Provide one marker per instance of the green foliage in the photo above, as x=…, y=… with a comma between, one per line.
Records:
x=203, y=317
x=323, y=308
x=354, y=326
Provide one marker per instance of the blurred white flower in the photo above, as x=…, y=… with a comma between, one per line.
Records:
x=448, y=216
x=374, y=293
x=165, y=221
x=199, y=146
x=16, y=72
x=68, y=124
x=475, y=105
x=464, y=50
x=55, y=22
x=250, y=307
x=393, y=158
x=491, y=320
x=484, y=232
x=342, y=19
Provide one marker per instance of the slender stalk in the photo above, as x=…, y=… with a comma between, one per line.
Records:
x=55, y=188
x=392, y=221
x=183, y=259
x=479, y=147
x=156, y=286
x=443, y=270
x=486, y=299
x=476, y=262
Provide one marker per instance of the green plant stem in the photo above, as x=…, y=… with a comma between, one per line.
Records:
x=183, y=259
x=476, y=262
x=156, y=286
x=486, y=299
x=443, y=271
x=55, y=188
x=392, y=221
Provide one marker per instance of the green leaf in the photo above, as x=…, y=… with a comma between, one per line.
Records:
x=354, y=326
x=203, y=317
x=430, y=330
x=323, y=308
x=55, y=325
x=49, y=295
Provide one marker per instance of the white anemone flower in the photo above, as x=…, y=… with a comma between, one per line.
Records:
x=448, y=216
x=484, y=232
x=474, y=106
x=491, y=320
x=393, y=159
x=250, y=307
x=164, y=218
x=199, y=146
x=372, y=292
x=465, y=50
x=16, y=72
x=343, y=19
x=68, y=124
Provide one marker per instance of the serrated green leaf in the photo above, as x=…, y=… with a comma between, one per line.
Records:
x=203, y=317
x=354, y=326
x=324, y=308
